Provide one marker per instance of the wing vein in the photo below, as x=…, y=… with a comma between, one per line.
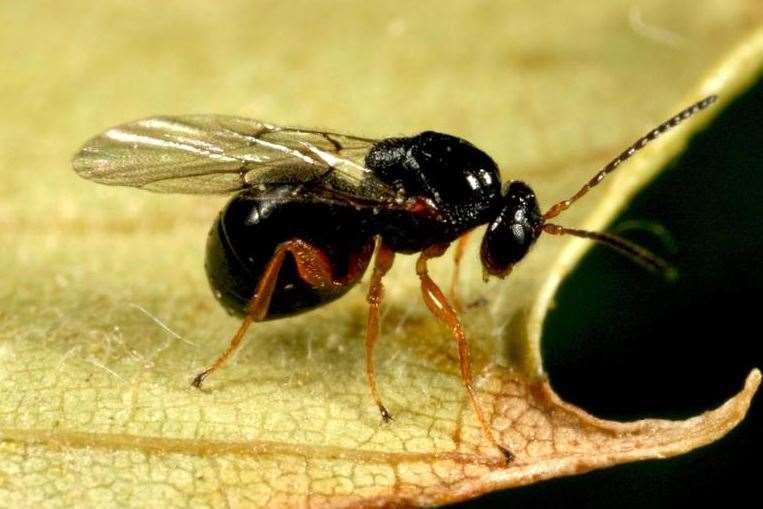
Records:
x=212, y=154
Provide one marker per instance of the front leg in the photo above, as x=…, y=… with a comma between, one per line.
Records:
x=440, y=307
x=458, y=255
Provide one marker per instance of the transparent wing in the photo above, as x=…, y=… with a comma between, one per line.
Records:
x=212, y=154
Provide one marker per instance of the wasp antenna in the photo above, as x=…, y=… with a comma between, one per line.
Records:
x=634, y=252
x=627, y=153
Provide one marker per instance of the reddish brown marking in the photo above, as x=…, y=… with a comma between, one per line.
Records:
x=441, y=308
x=382, y=263
x=313, y=266
x=424, y=207
x=316, y=269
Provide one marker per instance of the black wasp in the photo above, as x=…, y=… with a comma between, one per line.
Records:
x=311, y=208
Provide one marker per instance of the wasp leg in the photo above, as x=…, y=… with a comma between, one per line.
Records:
x=458, y=255
x=382, y=263
x=442, y=309
x=314, y=268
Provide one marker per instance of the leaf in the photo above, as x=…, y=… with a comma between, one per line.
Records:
x=105, y=314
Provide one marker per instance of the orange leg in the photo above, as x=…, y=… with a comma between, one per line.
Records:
x=382, y=263
x=441, y=308
x=314, y=268
x=458, y=255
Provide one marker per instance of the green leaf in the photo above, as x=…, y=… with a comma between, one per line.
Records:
x=96, y=407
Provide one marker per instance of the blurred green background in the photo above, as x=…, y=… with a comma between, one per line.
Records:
x=626, y=345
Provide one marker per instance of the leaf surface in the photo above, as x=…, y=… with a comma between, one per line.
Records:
x=105, y=314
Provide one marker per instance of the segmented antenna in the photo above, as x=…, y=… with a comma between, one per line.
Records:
x=636, y=253
x=627, y=153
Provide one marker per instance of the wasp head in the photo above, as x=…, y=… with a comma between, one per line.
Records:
x=514, y=230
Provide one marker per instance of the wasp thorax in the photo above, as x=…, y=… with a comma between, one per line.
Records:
x=449, y=170
x=516, y=227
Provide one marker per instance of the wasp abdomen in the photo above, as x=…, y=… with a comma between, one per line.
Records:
x=246, y=234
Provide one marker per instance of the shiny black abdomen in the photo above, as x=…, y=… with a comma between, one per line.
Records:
x=244, y=238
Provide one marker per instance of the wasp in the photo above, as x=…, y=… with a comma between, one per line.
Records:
x=311, y=209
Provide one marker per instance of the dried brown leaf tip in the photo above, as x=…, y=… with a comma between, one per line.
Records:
x=550, y=438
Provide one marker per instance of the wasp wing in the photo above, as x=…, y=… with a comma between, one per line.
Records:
x=214, y=154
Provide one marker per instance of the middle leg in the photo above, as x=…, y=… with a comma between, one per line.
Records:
x=382, y=263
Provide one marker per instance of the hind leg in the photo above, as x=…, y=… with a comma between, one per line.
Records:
x=314, y=268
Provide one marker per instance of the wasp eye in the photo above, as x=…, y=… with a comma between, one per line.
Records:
x=510, y=235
